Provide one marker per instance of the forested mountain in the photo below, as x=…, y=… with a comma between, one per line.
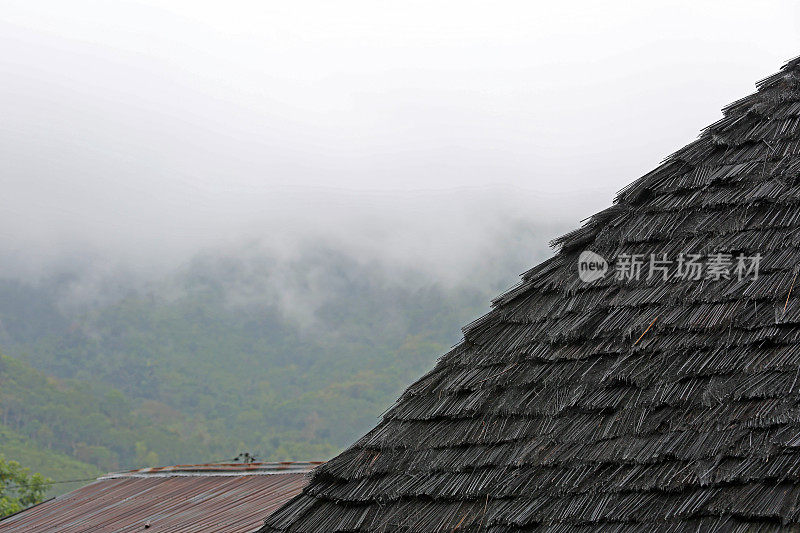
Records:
x=287, y=358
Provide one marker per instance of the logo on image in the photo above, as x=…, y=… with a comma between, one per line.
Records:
x=591, y=266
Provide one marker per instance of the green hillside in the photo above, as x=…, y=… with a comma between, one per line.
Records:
x=226, y=355
x=90, y=422
x=48, y=462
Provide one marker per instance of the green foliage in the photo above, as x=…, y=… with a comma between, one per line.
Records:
x=195, y=379
x=19, y=488
x=222, y=358
x=88, y=421
x=48, y=461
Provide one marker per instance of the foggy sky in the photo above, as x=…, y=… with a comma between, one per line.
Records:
x=141, y=132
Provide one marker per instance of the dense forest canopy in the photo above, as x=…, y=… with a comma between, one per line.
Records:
x=289, y=359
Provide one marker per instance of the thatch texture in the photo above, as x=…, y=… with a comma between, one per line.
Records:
x=557, y=413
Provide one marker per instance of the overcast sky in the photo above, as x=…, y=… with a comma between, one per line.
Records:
x=150, y=129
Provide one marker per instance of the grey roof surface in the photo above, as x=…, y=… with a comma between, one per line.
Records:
x=621, y=405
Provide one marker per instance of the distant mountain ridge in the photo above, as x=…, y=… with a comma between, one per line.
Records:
x=285, y=360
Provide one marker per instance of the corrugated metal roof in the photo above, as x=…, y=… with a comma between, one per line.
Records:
x=230, y=498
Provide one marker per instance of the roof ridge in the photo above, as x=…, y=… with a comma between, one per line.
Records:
x=218, y=469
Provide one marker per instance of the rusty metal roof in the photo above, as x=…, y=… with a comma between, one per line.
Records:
x=230, y=498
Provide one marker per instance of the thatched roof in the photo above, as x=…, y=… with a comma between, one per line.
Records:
x=627, y=405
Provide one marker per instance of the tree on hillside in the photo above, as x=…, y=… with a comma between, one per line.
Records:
x=19, y=488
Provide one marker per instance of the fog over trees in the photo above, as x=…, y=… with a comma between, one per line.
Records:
x=246, y=226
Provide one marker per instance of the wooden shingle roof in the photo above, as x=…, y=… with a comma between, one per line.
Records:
x=621, y=405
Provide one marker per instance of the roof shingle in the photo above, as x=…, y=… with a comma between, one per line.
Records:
x=637, y=405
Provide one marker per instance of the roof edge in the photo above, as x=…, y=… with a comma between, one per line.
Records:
x=218, y=469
